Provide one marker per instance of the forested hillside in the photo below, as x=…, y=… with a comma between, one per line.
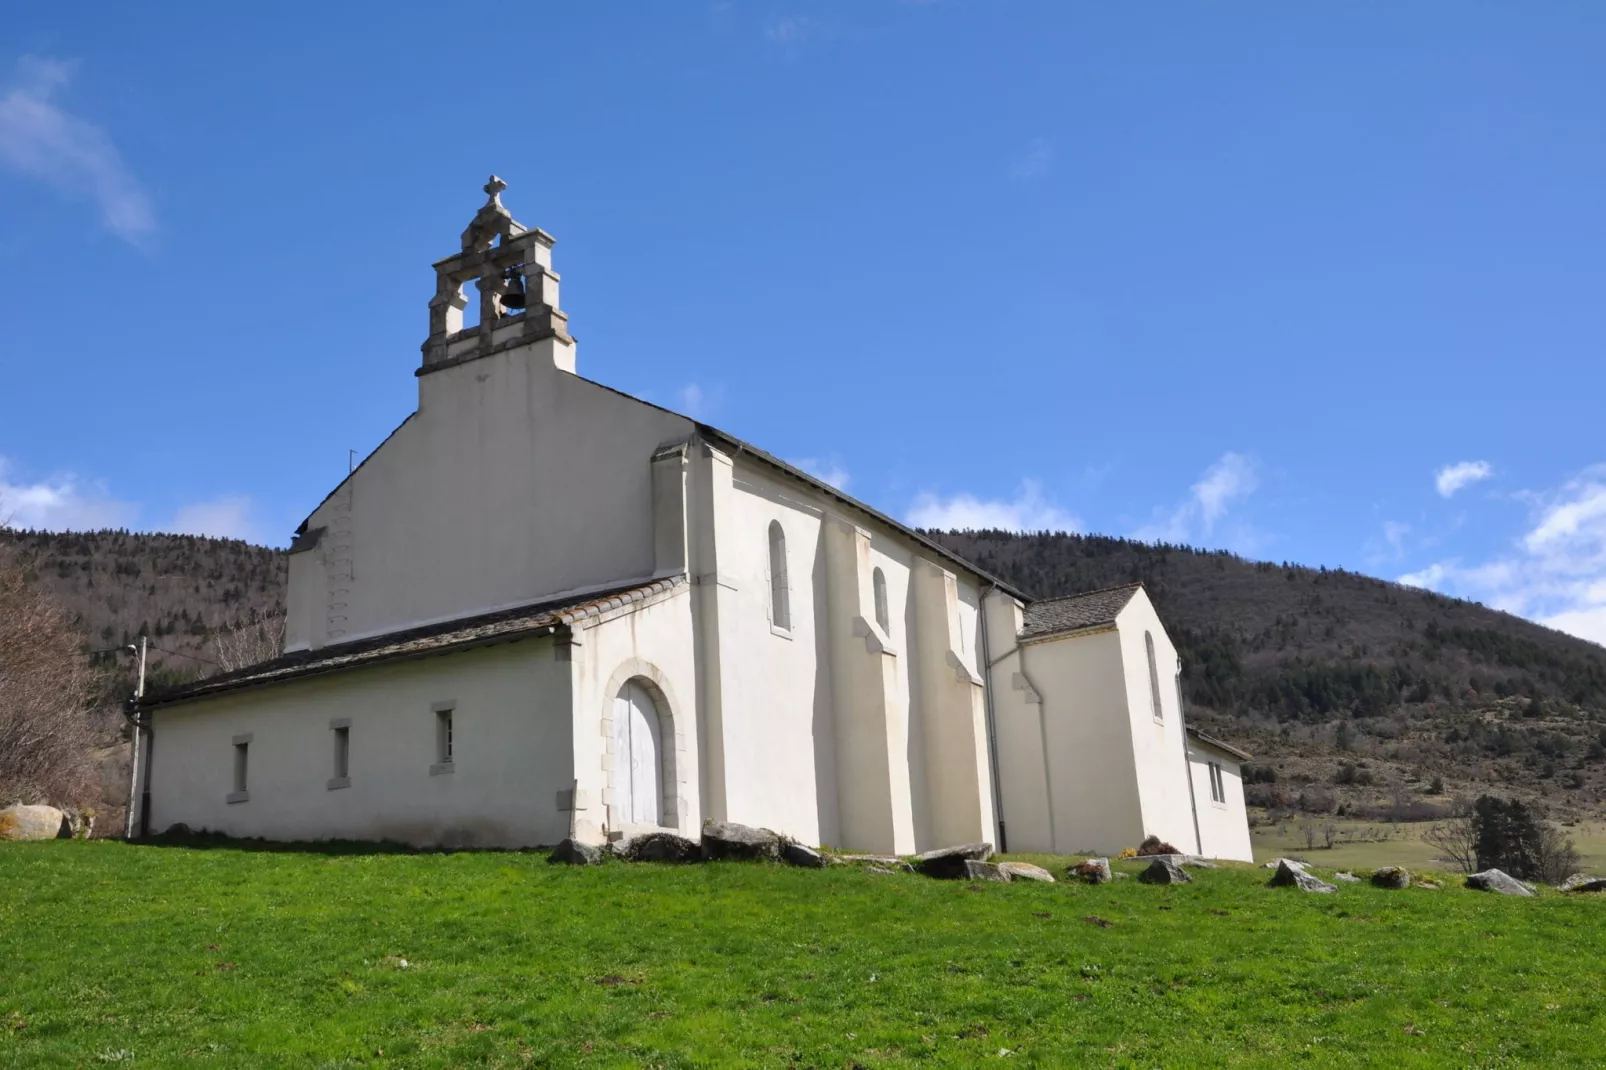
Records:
x=1351, y=690
x=1353, y=693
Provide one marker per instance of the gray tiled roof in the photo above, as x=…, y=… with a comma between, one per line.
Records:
x=1220, y=744
x=1077, y=611
x=482, y=629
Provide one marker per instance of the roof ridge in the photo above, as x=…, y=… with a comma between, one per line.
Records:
x=1089, y=594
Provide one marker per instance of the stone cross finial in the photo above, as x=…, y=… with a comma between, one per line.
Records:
x=493, y=190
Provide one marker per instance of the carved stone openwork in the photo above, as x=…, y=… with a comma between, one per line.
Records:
x=500, y=257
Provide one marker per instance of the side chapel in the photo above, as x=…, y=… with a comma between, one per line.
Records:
x=545, y=608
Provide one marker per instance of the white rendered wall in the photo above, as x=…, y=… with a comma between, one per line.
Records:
x=1157, y=745
x=512, y=754
x=652, y=643
x=513, y=481
x=1223, y=826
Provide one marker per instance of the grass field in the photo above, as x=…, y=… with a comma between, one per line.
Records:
x=1403, y=845
x=166, y=956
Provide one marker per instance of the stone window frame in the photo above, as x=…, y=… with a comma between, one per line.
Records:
x=673, y=787
x=242, y=769
x=1218, y=784
x=445, y=720
x=780, y=580
x=337, y=725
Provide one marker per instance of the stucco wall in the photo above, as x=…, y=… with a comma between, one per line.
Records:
x=512, y=754
x=1224, y=826
x=1159, y=752
x=513, y=481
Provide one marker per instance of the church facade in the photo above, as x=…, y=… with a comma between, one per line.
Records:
x=543, y=608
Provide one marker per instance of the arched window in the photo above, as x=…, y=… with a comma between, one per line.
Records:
x=878, y=580
x=1154, y=678
x=637, y=756
x=780, y=593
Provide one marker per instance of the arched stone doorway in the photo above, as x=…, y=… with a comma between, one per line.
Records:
x=638, y=755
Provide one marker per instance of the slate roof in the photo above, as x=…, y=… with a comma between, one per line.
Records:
x=1076, y=612
x=484, y=629
x=1221, y=745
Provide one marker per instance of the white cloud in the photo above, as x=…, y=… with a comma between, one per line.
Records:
x=61, y=503
x=1452, y=477
x=791, y=30
x=1554, y=574
x=1035, y=160
x=40, y=139
x=825, y=471
x=1225, y=483
x=697, y=402
x=228, y=517
x=1027, y=511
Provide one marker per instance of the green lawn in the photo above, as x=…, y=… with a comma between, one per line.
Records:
x=230, y=957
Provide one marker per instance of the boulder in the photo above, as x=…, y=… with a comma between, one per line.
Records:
x=874, y=860
x=1580, y=882
x=948, y=863
x=21, y=822
x=574, y=853
x=1164, y=871
x=1391, y=877
x=795, y=854
x=1346, y=877
x=985, y=871
x=1094, y=871
x=659, y=847
x=1277, y=863
x=1025, y=871
x=727, y=839
x=1494, y=880
x=1293, y=875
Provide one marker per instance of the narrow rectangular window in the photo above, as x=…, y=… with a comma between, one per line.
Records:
x=444, y=741
x=1218, y=791
x=242, y=753
x=342, y=752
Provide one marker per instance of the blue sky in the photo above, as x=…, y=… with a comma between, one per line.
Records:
x=1322, y=285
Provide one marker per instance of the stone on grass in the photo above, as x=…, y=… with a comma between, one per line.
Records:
x=878, y=869
x=1346, y=877
x=727, y=839
x=574, y=853
x=948, y=863
x=985, y=871
x=1582, y=882
x=1392, y=877
x=1154, y=845
x=659, y=847
x=1094, y=871
x=1494, y=880
x=1164, y=871
x=1427, y=886
x=1276, y=863
x=21, y=822
x=1293, y=875
x=795, y=854
x=1025, y=871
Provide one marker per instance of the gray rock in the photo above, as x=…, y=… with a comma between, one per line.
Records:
x=948, y=863
x=21, y=822
x=1093, y=871
x=1025, y=871
x=1190, y=861
x=985, y=871
x=659, y=847
x=1427, y=886
x=1347, y=878
x=1276, y=863
x=574, y=853
x=1392, y=877
x=795, y=854
x=878, y=869
x=874, y=860
x=1292, y=875
x=727, y=839
x=1581, y=882
x=1164, y=871
x=1494, y=880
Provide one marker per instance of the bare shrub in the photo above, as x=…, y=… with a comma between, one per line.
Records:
x=1457, y=839
x=1555, y=856
x=256, y=639
x=47, y=732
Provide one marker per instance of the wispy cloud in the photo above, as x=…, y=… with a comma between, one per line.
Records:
x=1555, y=573
x=1029, y=510
x=66, y=502
x=1229, y=481
x=1453, y=477
x=42, y=140
x=1034, y=160
x=826, y=471
x=697, y=401
x=229, y=517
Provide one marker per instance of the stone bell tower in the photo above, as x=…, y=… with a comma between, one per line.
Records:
x=510, y=267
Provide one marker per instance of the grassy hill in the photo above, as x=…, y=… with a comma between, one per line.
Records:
x=231, y=956
x=1359, y=697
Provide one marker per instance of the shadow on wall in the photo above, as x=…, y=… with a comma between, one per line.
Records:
x=202, y=840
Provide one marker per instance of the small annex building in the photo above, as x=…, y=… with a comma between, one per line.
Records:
x=543, y=608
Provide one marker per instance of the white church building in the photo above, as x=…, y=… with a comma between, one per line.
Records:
x=545, y=608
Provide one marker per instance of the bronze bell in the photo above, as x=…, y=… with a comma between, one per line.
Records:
x=514, y=297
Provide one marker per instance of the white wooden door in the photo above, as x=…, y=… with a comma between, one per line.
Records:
x=636, y=747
